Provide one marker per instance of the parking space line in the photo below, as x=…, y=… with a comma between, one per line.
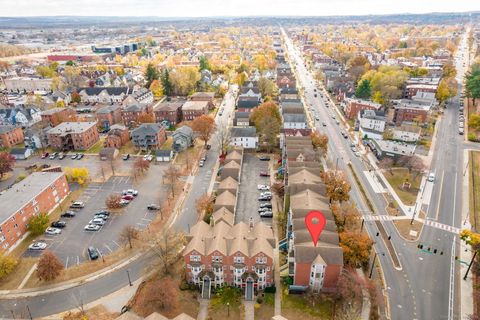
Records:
x=108, y=248
x=78, y=260
x=66, y=263
x=116, y=243
x=146, y=219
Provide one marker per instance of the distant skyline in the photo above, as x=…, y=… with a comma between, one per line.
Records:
x=213, y=8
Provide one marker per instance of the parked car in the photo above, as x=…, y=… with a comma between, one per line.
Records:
x=153, y=207
x=53, y=156
x=264, y=158
x=264, y=198
x=263, y=187
x=324, y=124
x=97, y=221
x=131, y=192
x=266, y=214
x=77, y=205
x=263, y=209
x=201, y=163
x=104, y=212
x=264, y=174
x=266, y=205
x=68, y=214
x=53, y=231
x=128, y=197
x=461, y=131
x=100, y=216
x=92, y=227
x=266, y=193
x=61, y=156
x=45, y=155
x=74, y=156
x=431, y=177
x=80, y=156
x=59, y=224
x=92, y=253
x=124, y=202
x=148, y=157
x=126, y=156
x=39, y=245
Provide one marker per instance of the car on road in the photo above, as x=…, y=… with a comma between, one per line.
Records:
x=53, y=156
x=264, y=158
x=324, y=124
x=317, y=119
x=354, y=149
x=53, y=231
x=39, y=245
x=128, y=197
x=77, y=205
x=126, y=156
x=266, y=214
x=131, y=192
x=264, y=174
x=266, y=193
x=97, y=221
x=59, y=224
x=61, y=156
x=263, y=209
x=68, y=214
x=266, y=205
x=431, y=177
x=461, y=131
x=153, y=207
x=357, y=154
x=315, y=95
x=201, y=163
x=103, y=212
x=92, y=253
x=92, y=227
x=263, y=187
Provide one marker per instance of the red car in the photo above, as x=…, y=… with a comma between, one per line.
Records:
x=127, y=197
x=45, y=155
x=264, y=174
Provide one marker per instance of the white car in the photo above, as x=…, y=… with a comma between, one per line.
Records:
x=263, y=187
x=266, y=194
x=92, y=227
x=148, y=157
x=124, y=202
x=431, y=177
x=97, y=221
x=132, y=192
x=37, y=246
x=53, y=231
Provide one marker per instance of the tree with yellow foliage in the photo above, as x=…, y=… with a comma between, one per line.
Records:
x=157, y=89
x=447, y=88
x=78, y=175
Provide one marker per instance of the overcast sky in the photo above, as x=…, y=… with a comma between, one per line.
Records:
x=202, y=8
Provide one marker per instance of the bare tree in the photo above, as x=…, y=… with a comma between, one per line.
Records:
x=129, y=234
x=386, y=164
x=172, y=174
x=223, y=137
x=167, y=247
x=113, y=201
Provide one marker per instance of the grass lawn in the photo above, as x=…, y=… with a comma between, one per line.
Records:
x=400, y=175
x=97, y=147
x=218, y=304
x=404, y=227
x=297, y=307
x=128, y=148
x=265, y=310
x=168, y=144
x=474, y=189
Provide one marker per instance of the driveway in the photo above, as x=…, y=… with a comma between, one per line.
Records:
x=70, y=246
x=247, y=201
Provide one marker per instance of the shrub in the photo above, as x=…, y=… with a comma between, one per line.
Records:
x=7, y=265
x=271, y=289
x=37, y=224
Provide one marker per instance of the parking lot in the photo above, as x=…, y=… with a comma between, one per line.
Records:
x=247, y=202
x=71, y=245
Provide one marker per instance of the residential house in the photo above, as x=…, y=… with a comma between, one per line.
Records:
x=245, y=137
x=149, y=136
x=406, y=133
x=73, y=135
x=10, y=136
x=241, y=119
x=20, y=115
x=183, y=138
x=231, y=169
x=204, y=96
x=21, y=153
x=226, y=199
x=393, y=149
x=353, y=107
x=27, y=84
x=371, y=123
x=131, y=113
x=294, y=121
x=103, y=94
x=169, y=113
x=117, y=137
x=139, y=96
x=194, y=109
x=109, y=115
x=55, y=116
x=39, y=192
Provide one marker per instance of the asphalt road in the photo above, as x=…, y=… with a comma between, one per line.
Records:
x=424, y=287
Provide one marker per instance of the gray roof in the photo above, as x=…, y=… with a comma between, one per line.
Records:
x=147, y=129
x=244, y=132
x=113, y=91
x=6, y=128
x=163, y=153
x=168, y=106
x=294, y=117
x=108, y=109
x=25, y=191
x=18, y=151
x=185, y=130
x=135, y=108
x=72, y=127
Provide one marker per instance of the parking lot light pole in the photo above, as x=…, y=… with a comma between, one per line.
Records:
x=129, y=281
x=29, y=313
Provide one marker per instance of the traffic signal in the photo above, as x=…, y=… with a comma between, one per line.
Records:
x=428, y=248
x=420, y=246
x=435, y=251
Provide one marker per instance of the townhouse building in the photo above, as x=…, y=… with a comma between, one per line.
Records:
x=103, y=94
x=39, y=192
x=27, y=84
x=131, y=113
x=353, y=106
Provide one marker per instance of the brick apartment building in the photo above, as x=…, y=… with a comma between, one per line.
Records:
x=40, y=192
x=413, y=89
x=109, y=115
x=10, y=136
x=131, y=113
x=353, y=107
x=194, y=109
x=204, y=96
x=409, y=111
x=73, y=135
x=168, y=111
x=56, y=116
x=117, y=136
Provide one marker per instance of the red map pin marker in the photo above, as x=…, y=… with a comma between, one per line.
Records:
x=315, y=222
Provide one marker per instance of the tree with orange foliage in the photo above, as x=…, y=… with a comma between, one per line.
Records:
x=337, y=186
x=268, y=121
x=49, y=266
x=320, y=142
x=346, y=215
x=157, y=295
x=141, y=165
x=204, y=205
x=145, y=117
x=356, y=248
x=113, y=201
x=204, y=127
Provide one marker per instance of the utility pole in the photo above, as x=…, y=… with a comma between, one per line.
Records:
x=373, y=265
x=470, y=265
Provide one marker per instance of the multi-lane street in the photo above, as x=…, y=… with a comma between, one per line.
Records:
x=422, y=286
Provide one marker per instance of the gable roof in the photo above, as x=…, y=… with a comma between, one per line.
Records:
x=249, y=132
x=147, y=129
x=112, y=91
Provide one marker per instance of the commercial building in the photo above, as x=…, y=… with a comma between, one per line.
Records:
x=73, y=135
x=40, y=192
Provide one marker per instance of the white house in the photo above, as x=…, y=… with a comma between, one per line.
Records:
x=372, y=120
x=245, y=137
x=294, y=121
x=407, y=133
x=103, y=94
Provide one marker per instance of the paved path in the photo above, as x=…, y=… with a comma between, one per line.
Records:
x=203, y=311
x=249, y=310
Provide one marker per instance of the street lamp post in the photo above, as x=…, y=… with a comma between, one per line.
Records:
x=29, y=313
x=128, y=276
x=228, y=309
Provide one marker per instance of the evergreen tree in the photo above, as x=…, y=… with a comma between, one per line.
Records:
x=364, y=91
x=167, y=83
x=204, y=63
x=151, y=74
